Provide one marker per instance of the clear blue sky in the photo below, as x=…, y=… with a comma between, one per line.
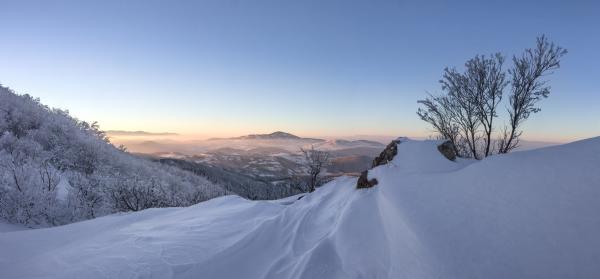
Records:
x=308, y=67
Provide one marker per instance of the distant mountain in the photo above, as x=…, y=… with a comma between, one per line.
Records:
x=343, y=144
x=272, y=136
x=258, y=166
x=138, y=133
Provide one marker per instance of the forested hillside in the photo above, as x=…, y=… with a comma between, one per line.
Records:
x=56, y=169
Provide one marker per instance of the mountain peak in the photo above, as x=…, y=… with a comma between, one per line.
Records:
x=274, y=135
x=280, y=134
x=277, y=135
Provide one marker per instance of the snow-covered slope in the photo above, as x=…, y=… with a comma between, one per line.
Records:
x=8, y=227
x=531, y=214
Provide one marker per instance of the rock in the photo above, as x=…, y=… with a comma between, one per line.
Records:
x=448, y=150
x=364, y=182
x=387, y=154
x=391, y=150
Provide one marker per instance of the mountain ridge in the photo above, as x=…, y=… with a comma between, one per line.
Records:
x=277, y=135
x=138, y=133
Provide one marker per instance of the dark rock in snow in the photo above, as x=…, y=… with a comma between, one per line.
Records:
x=385, y=157
x=387, y=154
x=364, y=182
x=448, y=150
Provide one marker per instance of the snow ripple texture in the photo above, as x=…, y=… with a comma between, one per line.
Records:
x=531, y=214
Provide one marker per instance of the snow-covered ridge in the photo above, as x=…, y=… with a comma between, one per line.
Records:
x=531, y=214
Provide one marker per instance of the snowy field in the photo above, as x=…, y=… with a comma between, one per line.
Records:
x=531, y=214
x=6, y=227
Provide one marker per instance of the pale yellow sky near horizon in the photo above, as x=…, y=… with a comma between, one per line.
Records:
x=244, y=67
x=198, y=136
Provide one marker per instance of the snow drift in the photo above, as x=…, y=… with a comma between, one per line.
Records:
x=531, y=214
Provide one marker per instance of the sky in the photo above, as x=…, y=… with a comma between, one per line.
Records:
x=313, y=68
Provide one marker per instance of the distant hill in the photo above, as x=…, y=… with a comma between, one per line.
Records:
x=272, y=136
x=137, y=133
x=344, y=144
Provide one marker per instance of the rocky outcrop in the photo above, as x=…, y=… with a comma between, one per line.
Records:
x=447, y=149
x=387, y=154
x=364, y=182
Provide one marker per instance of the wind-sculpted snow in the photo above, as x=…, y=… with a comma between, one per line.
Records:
x=530, y=214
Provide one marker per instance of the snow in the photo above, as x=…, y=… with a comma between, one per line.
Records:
x=530, y=214
x=6, y=227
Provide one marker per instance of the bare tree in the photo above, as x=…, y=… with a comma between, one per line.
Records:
x=528, y=88
x=454, y=115
x=465, y=113
x=437, y=113
x=485, y=85
x=315, y=161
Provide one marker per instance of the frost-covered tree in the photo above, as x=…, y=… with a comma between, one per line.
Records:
x=462, y=110
x=465, y=114
x=314, y=162
x=55, y=169
x=437, y=112
x=29, y=183
x=485, y=83
x=528, y=87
